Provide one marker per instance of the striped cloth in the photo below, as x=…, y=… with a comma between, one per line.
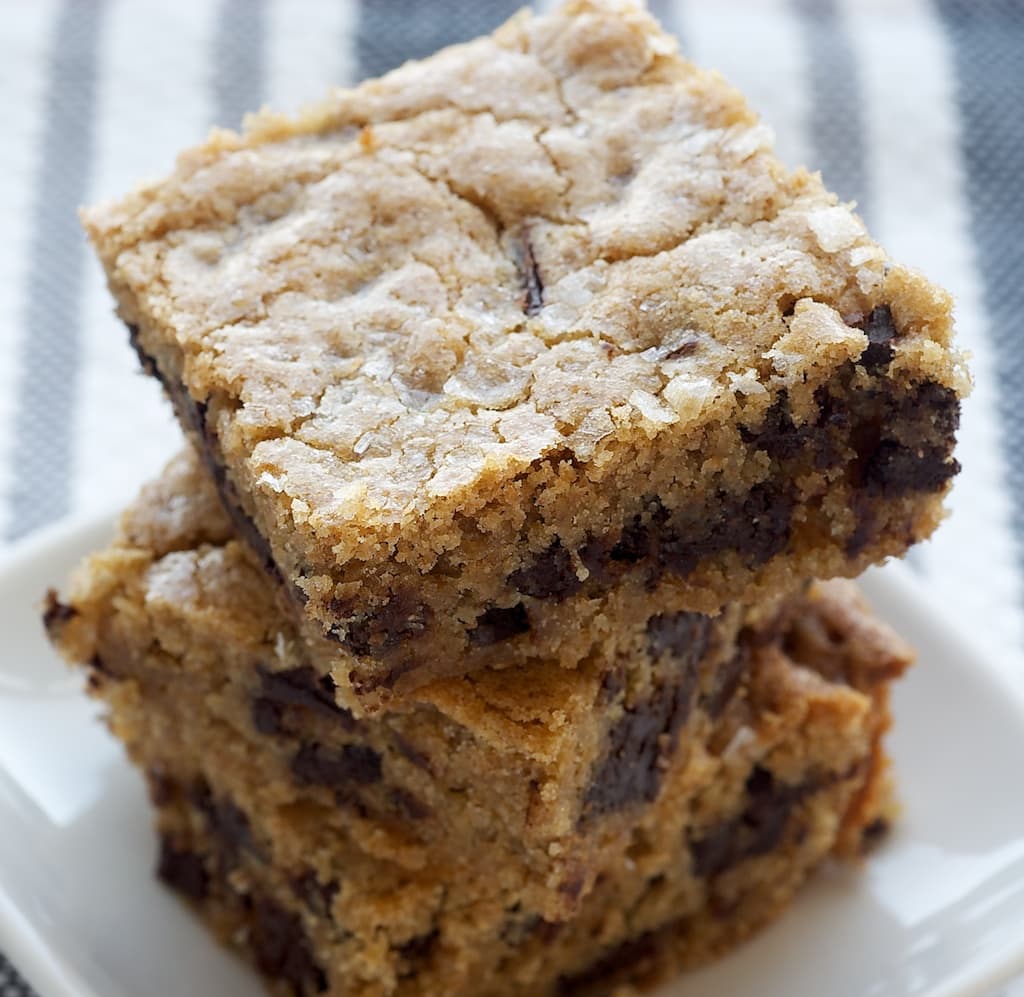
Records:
x=912, y=108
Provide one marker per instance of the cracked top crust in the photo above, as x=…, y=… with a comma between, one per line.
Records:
x=556, y=241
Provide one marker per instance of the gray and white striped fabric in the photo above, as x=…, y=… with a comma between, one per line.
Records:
x=910, y=107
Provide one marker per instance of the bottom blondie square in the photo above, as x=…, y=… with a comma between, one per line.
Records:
x=791, y=772
x=454, y=847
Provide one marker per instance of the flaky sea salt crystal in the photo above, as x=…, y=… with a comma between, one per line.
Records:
x=863, y=254
x=688, y=394
x=596, y=425
x=835, y=228
x=746, y=383
x=272, y=481
x=652, y=409
x=490, y=383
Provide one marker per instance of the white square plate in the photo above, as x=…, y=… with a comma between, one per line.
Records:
x=938, y=911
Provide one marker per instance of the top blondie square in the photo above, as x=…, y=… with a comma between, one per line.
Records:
x=485, y=338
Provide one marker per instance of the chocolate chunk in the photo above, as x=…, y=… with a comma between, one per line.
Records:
x=894, y=470
x=629, y=957
x=634, y=543
x=762, y=527
x=768, y=811
x=411, y=752
x=399, y=620
x=407, y=805
x=630, y=771
x=282, y=950
x=162, y=788
x=183, y=870
x=873, y=834
x=939, y=403
x=227, y=823
x=756, y=526
x=498, y=624
x=315, y=764
x=727, y=678
x=683, y=635
x=550, y=576
x=267, y=716
x=55, y=612
x=304, y=687
x=757, y=831
x=317, y=896
x=881, y=331
x=865, y=525
x=596, y=555
x=777, y=435
x=533, y=296
x=612, y=684
x=417, y=951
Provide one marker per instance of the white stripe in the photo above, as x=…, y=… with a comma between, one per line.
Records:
x=152, y=101
x=917, y=181
x=24, y=59
x=763, y=58
x=309, y=49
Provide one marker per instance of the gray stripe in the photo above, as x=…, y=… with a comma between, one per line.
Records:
x=42, y=454
x=836, y=125
x=988, y=55
x=237, y=82
x=391, y=31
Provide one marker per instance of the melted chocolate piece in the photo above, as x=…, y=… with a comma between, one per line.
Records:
x=228, y=824
x=417, y=951
x=777, y=435
x=498, y=624
x=634, y=543
x=630, y=771
x=757, y=831
x=305, y=688
x=336, y=769
x=550, y=576
x=282, y=950
x=683, y=635
x=873, y=834
x=183, y=870
x=727, y=679
x=408, y=806
x=881, y=331
x=399, y=620
x=629, y=956
x=317, y=896
x=267, y=716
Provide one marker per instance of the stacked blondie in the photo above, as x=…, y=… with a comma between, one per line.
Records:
x=474, y=644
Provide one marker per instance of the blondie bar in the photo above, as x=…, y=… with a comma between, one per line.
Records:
x=540, y=776
x=475, y=343
x=790, y=770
